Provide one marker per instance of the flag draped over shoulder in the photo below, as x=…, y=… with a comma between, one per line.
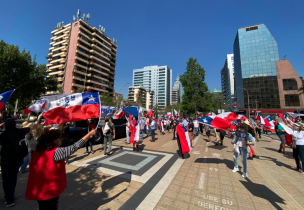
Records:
x=72, y=107
x=4, y=97
x=182, y=138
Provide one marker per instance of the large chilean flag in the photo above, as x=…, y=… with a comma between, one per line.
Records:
x=4, y=98
x=72, y=107
x=228, y=116
x=216, y=122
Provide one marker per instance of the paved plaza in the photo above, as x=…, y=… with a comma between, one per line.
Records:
x=157, y=178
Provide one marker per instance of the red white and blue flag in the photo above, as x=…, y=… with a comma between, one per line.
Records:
x=121, y=112
x=72, y=107
x=242, y=117
x=169, y=114
x=4, y=97
x=36, y=107
x=228, y=116
x=215, y=122
x=260, y=118
x=269, y=125
x=211, y=114
x=176, y=113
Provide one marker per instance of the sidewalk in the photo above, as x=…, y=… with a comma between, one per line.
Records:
x=156, y=178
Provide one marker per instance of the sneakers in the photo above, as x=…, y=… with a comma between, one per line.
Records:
x=5, y=204
x=280, y=151
x=244, y=175
x=86, y=153
x=235, y=170
x=92, y=152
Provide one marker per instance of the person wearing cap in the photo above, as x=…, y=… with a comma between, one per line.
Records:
x=298, y=136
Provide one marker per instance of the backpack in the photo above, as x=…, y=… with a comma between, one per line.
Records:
x=12, y=150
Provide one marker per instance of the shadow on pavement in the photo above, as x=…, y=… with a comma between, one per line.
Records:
x=288, y=154
x=86, y=185
x=218, y=147
x=277, y=162
x=264, y=192
x=228, y=163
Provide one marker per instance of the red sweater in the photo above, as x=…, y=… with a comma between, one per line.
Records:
x=47, y=179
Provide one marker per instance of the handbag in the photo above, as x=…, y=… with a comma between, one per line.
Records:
x=294, y=142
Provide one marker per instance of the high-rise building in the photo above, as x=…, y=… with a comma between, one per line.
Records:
x=157, y=79
x=137, y=91
x=227, y=80
x=255, y=56
x=82, y=57
x=177, y=91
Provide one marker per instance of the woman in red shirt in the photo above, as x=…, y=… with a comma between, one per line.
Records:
x=47, y=177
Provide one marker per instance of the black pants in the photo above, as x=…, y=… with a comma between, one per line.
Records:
x=51, y=204
x=258, y=131
x=299, y=152
x=153, y=135
x=174, y=131
x=9, y=177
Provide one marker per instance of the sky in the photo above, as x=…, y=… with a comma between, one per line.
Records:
x=160, y=32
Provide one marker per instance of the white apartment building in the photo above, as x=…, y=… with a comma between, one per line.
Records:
x=157, y=79
x=227, y=79
x=177, y=91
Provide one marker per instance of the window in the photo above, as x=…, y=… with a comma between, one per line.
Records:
x=292, y=100
x=290, y=84
x=232, y=58
x=252, y=28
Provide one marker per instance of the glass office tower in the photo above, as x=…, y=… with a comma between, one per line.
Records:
x=255, y=53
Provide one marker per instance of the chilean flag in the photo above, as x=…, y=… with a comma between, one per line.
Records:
x=281, y=116
x=4, y=98
x=228, y=116
x=211, y=114
x=176, y=113
x=242, y=117
x=183, y=139
x=151, y=113
x=120, y=113
x=134, y=129
x=200, y=114
x=72, y=107
x=260, y=118
x=269, y=124
x=216, y=122
x=169, y=114
x=36, y=107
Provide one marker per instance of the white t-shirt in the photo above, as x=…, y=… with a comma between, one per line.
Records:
x=299, y=136
x=127, y=128
x=241, y=140
x=165, y=122
x=195, y=122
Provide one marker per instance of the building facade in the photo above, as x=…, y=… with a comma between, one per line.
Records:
x=227, y=79
x=137, y=91
x=177, y=92
x=255, y=56
x=157, y=79
x=82, y=57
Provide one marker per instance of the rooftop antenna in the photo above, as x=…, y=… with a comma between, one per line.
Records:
x=284, y=57
x=88, y=17
x=78, y=14
x=99, y=27
x=74, y=18
x=104, y=30
x=62, y=23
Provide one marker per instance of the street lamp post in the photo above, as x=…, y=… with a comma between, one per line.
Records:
x=119, y=91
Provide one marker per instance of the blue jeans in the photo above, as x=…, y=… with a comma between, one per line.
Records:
x=24, y=164
x=87, y=145
x=128, y=137
x=243, y=153
x=147, y=130
x=195, y=131
x=142, y=134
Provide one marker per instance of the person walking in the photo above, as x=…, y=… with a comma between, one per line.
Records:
x=127, y=130
x=147, y=126
x=109, y=135
x=190, y=132
x=45, y=184
x=12, y=155
x=258, y=128
x=281, y=134
x=92, y=126
x=142, y=128
x=196, y=126
x=153, y=126
x=208, y=132
x=217, y=134
x=241, y=141
x=222, y=136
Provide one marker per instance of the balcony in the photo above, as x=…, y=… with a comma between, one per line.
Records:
x=83, y=41
x=56, y=73
x=80, y=72
x=61, y=60
x=60, y=79
x=84, y=47
x=95, y=34
x=49, y=64
x=85, y=61
x=82, y=53
x=92, y=56
x=57, y=66
x=98, y=83
x=98, y=71
x=81, y=27
x=61, y=42
x=98, y=89
x=85, y=35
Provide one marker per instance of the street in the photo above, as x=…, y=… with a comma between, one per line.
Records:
x=156, y=178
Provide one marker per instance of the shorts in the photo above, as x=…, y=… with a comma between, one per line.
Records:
x=283, y=139
x=208, y=133
x=190, y=135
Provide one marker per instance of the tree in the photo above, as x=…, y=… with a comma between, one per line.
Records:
x=106, y=99
x=217, y=97
x=156, y=109
x=80, y=90
x=170, y=107
x=195, y=88
x=19, y=71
